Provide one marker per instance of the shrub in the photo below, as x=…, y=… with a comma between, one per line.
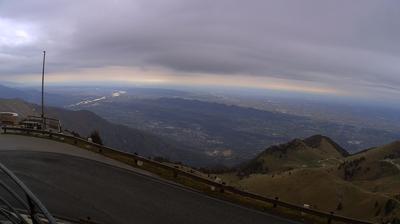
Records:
x=254, y=166
x=389, y=206
x=161, y=159
x=95, y=136
x=396, y=221
x=76, y=134
x=339, y=206
x=378, y=211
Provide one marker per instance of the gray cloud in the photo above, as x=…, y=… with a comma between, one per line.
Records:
x=341, y=43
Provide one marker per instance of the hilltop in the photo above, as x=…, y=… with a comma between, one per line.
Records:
x=315, y=151
x=318, y=172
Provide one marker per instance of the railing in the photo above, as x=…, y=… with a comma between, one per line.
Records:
x=139, y=161
x=46, y=122
x=38, y=213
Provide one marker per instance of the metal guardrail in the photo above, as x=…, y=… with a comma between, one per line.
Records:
x=33, y=204
x=133, y=159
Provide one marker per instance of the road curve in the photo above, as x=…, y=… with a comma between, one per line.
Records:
x=73, y=185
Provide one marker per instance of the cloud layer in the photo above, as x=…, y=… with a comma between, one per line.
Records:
x=349, y=45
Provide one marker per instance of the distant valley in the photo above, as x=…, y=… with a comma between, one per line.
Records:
x=117, y=136
x=217, y=127
x=231, y=132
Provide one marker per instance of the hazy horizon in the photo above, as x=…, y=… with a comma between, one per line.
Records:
x=351, y=50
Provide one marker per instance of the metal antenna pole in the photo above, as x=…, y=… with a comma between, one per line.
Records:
x=44, y=60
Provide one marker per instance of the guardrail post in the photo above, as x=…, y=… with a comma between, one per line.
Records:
x=5, y=130
x=31, y=210
x=275, y=203
x=330, y=218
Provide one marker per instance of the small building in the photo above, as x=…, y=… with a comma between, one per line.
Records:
x=8, y=118
x=31, y=124
x=36, y=122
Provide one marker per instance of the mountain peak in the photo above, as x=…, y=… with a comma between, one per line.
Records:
x=316, y=141
x=314, y=151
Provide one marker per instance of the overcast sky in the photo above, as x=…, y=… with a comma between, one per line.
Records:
x=329, y=47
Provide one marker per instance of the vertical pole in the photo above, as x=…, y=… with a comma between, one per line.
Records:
x=31, y=210
x=44, y=60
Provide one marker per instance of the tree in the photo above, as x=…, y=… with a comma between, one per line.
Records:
x=95, y=136
x=390, y=206
x=340, y=206
x=396, y=221
x=76, y=134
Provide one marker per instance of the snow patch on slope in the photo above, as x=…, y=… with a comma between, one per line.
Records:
x=118, y=93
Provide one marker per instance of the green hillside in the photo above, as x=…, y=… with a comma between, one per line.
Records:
x=317, y=172
x=315, y=151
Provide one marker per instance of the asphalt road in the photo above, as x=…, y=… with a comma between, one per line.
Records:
x=72, y=185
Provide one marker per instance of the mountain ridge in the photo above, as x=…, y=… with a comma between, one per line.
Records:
x=314, y=151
